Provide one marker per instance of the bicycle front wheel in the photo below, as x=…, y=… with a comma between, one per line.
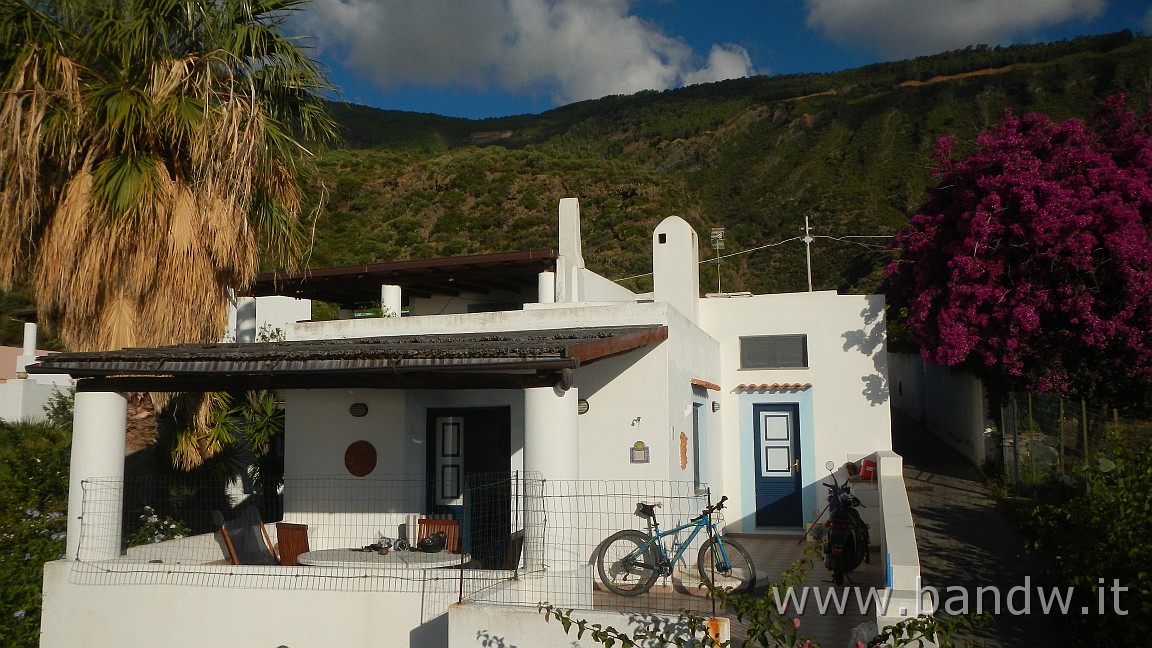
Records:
x=725, y=564
x=621, y=563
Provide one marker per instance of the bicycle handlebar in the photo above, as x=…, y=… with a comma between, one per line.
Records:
x=712, y=509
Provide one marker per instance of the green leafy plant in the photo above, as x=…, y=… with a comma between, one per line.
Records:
x=914, y=631
x=1093, y=535
x=155, y=529
x=60, y=408
x=33, y=502
x=696, y=631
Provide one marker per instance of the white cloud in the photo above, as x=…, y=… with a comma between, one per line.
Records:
x=569, y=49
x=902, y=28
x=724, y=62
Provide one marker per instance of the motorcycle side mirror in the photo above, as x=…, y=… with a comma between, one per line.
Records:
x=829, y=465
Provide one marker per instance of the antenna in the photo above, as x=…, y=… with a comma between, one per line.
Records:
x=717, y=237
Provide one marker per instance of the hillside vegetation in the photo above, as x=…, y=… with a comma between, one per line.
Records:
x=850, y=150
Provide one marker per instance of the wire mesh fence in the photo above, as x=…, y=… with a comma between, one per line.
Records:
x=511, y=539
x=1045, y=435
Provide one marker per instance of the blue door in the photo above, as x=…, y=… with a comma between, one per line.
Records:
x=776, y=435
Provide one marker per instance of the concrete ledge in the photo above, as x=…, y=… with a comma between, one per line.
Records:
x=472, y=625
x=902, y=559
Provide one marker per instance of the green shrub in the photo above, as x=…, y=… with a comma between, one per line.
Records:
x=155, y=528
x=33, y=502
x=1094, y=536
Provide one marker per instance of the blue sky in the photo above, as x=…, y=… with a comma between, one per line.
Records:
x=494, y=58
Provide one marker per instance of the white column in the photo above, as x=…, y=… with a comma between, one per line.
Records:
x=29, y=339
x=245, y=320
x=569, y=254
x=551, y=439
x=552, y=450
x=546, y=288
x=391, y=300
x=96, y=476
x=28, y=353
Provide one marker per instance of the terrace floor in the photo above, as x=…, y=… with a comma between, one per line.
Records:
x=772, y=555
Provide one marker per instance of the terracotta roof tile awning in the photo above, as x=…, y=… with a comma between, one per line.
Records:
x=785, y=387
x=465, y=360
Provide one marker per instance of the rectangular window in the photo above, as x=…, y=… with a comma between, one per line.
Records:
x=774, y=352
x=699, y=449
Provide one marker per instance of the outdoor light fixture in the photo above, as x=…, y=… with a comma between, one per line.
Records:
x=581, y=406
x=358, y=409
x=715, y=406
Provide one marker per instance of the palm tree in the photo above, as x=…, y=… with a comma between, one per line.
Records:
x=149, y=151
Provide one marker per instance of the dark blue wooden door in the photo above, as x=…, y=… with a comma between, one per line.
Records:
x=776, y=438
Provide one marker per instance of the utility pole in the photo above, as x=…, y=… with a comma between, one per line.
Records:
x=808, y=250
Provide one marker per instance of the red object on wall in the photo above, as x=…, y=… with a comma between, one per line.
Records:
x=868, y=470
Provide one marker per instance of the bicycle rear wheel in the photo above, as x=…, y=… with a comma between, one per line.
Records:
x=617, y=563
x=724, y=564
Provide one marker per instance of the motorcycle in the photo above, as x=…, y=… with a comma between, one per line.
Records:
x=847, y=533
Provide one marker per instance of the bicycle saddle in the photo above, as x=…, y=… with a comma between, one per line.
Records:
x=646, y=509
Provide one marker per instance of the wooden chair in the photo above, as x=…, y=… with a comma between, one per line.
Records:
x=246, y=539
x=451, y=528
x=293, y=541
x=512, y=554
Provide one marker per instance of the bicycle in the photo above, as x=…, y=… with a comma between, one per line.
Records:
x=630, y=561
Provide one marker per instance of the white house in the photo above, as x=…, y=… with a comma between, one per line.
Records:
x=527, y=374
x=24, y=396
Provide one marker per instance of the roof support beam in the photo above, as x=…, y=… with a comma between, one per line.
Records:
x=244, y=382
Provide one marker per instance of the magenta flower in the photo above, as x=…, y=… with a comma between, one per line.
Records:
x=1032, y=261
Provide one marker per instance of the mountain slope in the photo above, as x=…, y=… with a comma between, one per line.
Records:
x=850, y=150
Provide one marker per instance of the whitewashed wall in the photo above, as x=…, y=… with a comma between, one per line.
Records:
x=273, y=312
x=283, y=607
x=950, y=404
x=848, y=371
x=341, y=509
x=626, y=404
x=22, y=399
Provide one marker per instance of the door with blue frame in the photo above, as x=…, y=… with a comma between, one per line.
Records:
x=776, y=446
x=469, y=460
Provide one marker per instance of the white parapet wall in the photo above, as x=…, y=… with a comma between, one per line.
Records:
x=223, y=605
x=901, y=556
x=474, y=625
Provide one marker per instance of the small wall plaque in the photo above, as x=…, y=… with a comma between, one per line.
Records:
x=638, y=453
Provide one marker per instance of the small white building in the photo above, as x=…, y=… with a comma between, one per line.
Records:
x=525, y=369
x=23, y=397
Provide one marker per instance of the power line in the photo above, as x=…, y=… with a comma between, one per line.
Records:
x=843, y=239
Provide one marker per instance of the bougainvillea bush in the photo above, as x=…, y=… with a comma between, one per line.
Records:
x=1031, y=262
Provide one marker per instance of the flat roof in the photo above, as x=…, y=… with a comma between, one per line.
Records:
x=515, y=359
x=360, y=284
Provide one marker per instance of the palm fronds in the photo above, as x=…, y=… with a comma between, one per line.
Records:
x=148, y=152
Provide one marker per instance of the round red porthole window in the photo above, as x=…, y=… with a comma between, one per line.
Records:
x=360, y=458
